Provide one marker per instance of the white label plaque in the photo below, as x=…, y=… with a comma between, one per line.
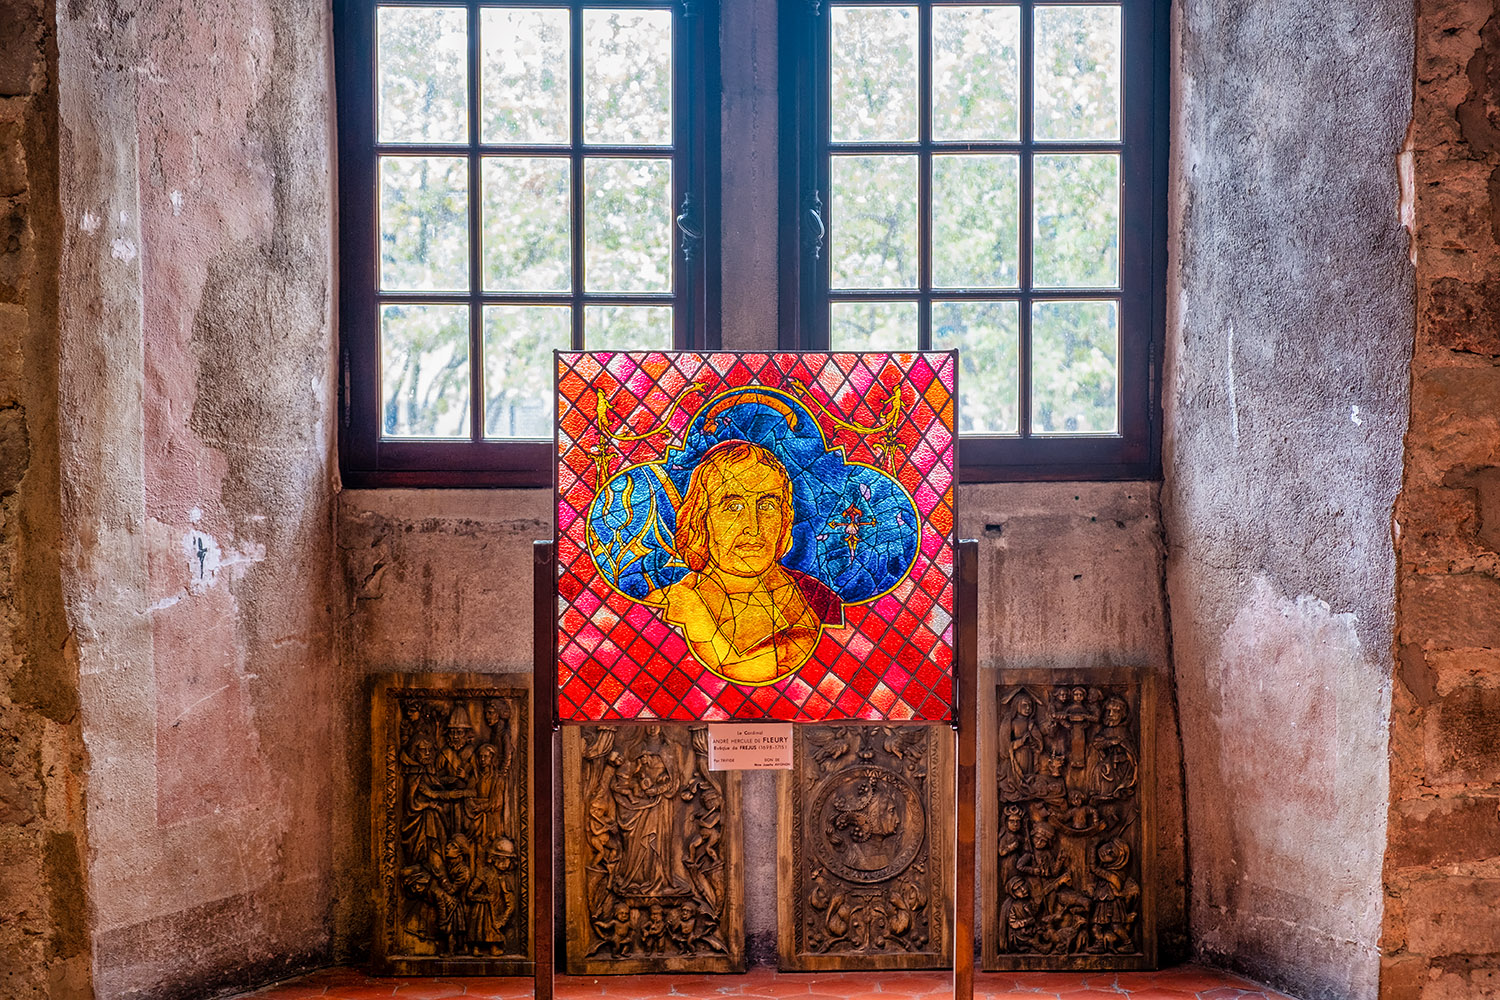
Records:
x=760, y=746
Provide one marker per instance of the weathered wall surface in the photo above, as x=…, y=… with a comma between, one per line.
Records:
x=1071, y=576
x=198, y=559
x=1442, y=874
x=1286, y=399
x=44, y=944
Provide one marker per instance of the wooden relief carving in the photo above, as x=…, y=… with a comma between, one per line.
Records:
x=655, y=880
x=450, y=809
x=1069, y=840
x=866, y=833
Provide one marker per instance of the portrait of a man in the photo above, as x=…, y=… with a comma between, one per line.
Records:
x=744, y=541
x=745, y=616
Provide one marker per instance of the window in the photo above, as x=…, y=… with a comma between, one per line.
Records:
x=514, y=178
x=987, y=176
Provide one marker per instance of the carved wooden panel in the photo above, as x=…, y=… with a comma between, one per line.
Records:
x=450, y=809
x=865, y=838
x=1068, y=849
x=655, y=872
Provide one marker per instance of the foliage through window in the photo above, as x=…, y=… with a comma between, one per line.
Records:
x=515, y=178
x=986, y=176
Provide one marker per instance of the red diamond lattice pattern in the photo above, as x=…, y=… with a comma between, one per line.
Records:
x=893, y=660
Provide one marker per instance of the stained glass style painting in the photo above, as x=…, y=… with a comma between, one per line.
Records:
x=755, y=536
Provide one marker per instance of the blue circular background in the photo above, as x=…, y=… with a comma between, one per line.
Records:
x=632, y=520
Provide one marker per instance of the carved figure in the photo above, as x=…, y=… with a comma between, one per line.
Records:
x=1115, y=895
x=454, y=851
x=1065, y=850
x=1112, y=757
x=652, y=818
x=1023, y=743
x=1076, y=714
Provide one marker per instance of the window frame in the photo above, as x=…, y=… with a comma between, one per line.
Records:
x=365, y=458
x=806, y=231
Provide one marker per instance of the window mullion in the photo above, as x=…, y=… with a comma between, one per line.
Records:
x=1026, y=222
x=476, y=258
x=924, y=176
x=575, y=138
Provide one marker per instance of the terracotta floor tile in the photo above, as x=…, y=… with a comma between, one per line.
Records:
x=761, y=983
x=427, y=989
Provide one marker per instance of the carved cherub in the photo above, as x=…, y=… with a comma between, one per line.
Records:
x=1080, y=817
x=654, y=930
x=616, y=932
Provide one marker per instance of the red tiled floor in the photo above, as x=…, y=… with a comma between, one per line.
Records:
x=1189, y=982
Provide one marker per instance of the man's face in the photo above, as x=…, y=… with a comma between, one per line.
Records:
x=745, y=520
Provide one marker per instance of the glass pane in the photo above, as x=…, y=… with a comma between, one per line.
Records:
x=526, y=211
x=424, y=371
x=874, y=73
x=627, y=328
x=988, y=336
x=424, y=223
x=423, y=55
x=976, y=227
x=1077, y=73
x=1077, y=231
x=874, y=222
x=518, y=346
x=627, y=225
x=976, y=72
x=627, y=76
x=872, y=326
x=1075, y=350
x=523, y=75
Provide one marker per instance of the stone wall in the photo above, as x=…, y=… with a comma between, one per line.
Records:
x=1442, y=864
x=1289, y=334
x=1070, y=575
x=197, y=471
x=44, y=941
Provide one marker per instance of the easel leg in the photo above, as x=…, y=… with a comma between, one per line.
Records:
x=543, y=731
x=966, y=669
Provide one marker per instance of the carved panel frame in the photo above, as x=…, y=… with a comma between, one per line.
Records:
x=667, y=924
x=472, y=891
x=1072, y=929
x=854, y=783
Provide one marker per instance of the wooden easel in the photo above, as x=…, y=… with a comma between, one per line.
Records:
x=543, y=756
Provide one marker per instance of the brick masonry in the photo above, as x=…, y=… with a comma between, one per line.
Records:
x=1442, y=865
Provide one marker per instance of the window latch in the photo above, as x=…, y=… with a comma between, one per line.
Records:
x=689, y=227
x=817, y=230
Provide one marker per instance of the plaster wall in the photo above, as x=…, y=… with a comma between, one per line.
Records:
x=196, y=484
x=1442, y=863
x=1285, y=393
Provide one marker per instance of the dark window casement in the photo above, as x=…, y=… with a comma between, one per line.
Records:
x=514, y=178
x=987, y=176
